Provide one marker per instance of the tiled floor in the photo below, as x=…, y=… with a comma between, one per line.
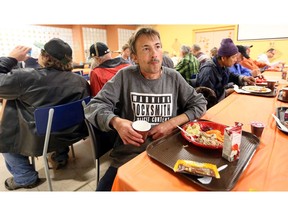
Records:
x=79, y=175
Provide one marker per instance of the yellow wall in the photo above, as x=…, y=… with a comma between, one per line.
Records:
x=185, y=34
x=173, y=36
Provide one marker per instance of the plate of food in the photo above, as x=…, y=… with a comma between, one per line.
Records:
x=205, y=134
x=256, y=89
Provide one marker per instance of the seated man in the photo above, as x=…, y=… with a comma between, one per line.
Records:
x=188, y=66
x=26, y=89
x=265, y=58
x=147, y=91
x=196, y=51
x=237, y=68
x=215, y=74
x=105, y=66
x=256, y=67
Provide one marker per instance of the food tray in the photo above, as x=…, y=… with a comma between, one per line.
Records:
x=280, y=114
x=270, y=94
x=169, y=149
x=280, y=98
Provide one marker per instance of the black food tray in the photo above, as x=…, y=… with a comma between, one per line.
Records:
x=270, y=94
x=280, y=114
x=280, y=98
x=169, y=149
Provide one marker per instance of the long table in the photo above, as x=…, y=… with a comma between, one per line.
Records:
x=267, y=170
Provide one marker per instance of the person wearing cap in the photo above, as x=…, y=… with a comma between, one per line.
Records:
x=215, y=73
x=237, y=68
x=188, y=66
x=145, y=91
x=25, y=89
x=106, y=66
x=246, y=61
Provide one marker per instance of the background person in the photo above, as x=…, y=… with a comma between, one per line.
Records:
x=256, y=67
x=215, y=74
x=265, y=58
x=105, y=66
x=25, y=89
x=146, y=91
x=188, y=66
x=196, y=51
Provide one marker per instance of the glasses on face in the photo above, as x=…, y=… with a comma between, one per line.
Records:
x=272, y=53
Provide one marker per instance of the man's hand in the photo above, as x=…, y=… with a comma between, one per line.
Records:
x=161, y=130
x=249, y=79
x=20, y=53
x=126, y=132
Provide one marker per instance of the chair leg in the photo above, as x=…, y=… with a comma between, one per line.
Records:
x=73, y=153
x=33, y=162
x=46, y=167
x=97, y=164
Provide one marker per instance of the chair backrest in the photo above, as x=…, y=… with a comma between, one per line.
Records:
x=102, y=141
x=65, y=116
x=209, y=95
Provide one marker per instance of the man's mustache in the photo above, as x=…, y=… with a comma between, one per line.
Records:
x=154, y=60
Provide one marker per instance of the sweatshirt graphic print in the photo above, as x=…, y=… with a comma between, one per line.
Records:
x=154, y=108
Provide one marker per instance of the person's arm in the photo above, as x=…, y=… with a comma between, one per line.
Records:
x=167, y=127
x=245, y=71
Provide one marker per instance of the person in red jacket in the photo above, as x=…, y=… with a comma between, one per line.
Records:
x=106, y=66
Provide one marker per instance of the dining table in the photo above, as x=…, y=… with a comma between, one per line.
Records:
x=266, y=170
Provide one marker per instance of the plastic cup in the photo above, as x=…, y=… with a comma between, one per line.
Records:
x=271, y=84
x=257, y=128
x=285, y=93
x=142, y=127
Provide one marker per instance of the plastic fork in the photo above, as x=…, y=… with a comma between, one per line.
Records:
x=189, y=135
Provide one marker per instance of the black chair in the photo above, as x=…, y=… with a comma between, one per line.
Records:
x=53, y=120
x=101, y=143
x=209, y=95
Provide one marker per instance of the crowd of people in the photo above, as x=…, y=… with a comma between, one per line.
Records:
x=122, y=89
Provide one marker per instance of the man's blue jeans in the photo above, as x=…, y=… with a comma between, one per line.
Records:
x=21, y=169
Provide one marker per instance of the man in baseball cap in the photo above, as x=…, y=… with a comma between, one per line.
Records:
x=104, y=67
x=98, y=49
x=57, y=49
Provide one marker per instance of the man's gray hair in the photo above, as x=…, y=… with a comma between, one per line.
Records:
x=185, y=49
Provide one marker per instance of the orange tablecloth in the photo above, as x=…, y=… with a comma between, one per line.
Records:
x=267, y=170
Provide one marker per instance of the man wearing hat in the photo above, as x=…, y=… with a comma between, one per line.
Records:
x=105, y=66
x=256, y=67
x=25, y=89
x=215, y=74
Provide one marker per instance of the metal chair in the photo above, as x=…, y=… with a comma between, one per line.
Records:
x=101, y=143
x=53, y=120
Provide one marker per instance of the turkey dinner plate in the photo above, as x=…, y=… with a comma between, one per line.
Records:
x=205, y=134
x=256, y=89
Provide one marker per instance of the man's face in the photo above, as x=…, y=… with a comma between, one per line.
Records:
x=229, y=61
x=149, y=54
x=271, y=54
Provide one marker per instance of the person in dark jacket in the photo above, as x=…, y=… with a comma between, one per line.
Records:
x=25, y=89
x=214, y=74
